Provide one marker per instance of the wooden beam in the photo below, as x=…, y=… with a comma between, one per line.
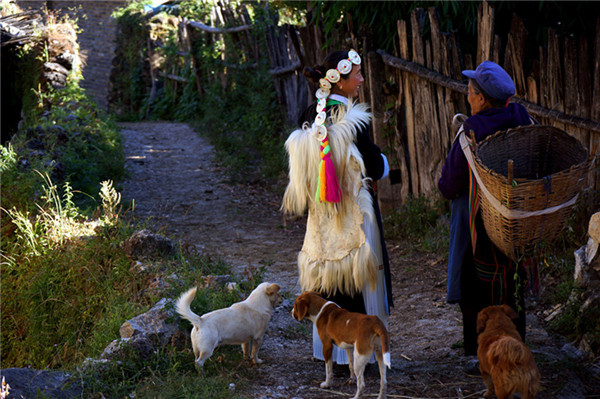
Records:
x=206, y=28
x=172, y=77
x=534, y=109
x=285, y=69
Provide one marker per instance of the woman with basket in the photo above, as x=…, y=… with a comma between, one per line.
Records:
x=479, y=274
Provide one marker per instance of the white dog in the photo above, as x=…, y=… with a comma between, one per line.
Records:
x=242, y=323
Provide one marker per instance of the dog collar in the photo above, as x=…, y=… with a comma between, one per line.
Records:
x=323, y=307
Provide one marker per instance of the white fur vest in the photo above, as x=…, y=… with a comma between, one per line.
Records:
x=335, y=255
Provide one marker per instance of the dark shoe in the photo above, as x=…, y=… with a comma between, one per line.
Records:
x=472, y=368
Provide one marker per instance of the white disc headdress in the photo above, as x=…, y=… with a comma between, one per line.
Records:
x=328, y=189
x=333, y=76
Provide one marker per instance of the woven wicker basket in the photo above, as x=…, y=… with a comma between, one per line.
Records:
x=549, y=169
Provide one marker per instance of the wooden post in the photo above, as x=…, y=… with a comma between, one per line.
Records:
x=515, y=53
x=405, y=102
x=440, y=133
x=485, y=32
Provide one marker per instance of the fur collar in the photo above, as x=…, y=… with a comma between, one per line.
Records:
x=303, y=149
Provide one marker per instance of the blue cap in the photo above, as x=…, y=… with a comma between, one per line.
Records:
x=493, y=80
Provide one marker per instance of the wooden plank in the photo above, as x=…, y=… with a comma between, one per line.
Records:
x=461, y=104
x=417, y=40
x=485, y=32
x=418, y=57
x=555, y=75
x=515, y=54
x=585, y=79
x=543, y=87
x=532, y=90
x=441, y=138
x=407, y=89
x=424, y=100
x=496, y=50
x=571, y=87
x=401, y=188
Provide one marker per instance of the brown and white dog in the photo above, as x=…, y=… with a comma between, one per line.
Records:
x=506, y=363
x=347, y=330
x=242, y=323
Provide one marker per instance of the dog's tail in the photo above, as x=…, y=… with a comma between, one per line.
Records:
x=183, y=307
x=382, y=332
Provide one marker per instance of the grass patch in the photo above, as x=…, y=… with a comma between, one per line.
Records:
x=420, y=224
x=168, y=373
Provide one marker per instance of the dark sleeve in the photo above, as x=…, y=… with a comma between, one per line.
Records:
x=371, y=154
x=455, y=173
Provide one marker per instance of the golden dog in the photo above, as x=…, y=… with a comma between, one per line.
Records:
x=242, y=323
x=347, y=330
x=507, y=365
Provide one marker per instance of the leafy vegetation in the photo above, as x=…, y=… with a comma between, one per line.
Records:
x=171, y=372
x=420, y=225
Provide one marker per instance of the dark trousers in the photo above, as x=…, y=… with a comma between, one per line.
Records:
x=490, y=278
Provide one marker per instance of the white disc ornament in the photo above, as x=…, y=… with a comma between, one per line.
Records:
x=320, y=119
x=324, y=83
x=322, y=93
x=344, y=66
x=321, y=104
x=333, y=75
x=321, y=133
x=354, y=57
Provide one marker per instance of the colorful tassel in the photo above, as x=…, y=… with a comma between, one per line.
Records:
x=328, y=186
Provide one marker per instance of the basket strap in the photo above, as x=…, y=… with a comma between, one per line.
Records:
x=504, y=211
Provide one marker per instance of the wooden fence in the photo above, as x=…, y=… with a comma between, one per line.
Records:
x=428, y=74
x=415, y=93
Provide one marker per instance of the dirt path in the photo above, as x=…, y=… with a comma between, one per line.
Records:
x=175, y=180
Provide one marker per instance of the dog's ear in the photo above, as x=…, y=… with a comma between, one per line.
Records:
x=482, y=319
x=301, y=308
x=510, y=312
x=272, y=289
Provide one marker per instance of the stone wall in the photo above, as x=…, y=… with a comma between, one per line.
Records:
x=96, y=39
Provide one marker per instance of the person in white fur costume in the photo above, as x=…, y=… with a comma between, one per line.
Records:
x=333, y=165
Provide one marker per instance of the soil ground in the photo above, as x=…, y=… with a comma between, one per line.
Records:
x=175, y=180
